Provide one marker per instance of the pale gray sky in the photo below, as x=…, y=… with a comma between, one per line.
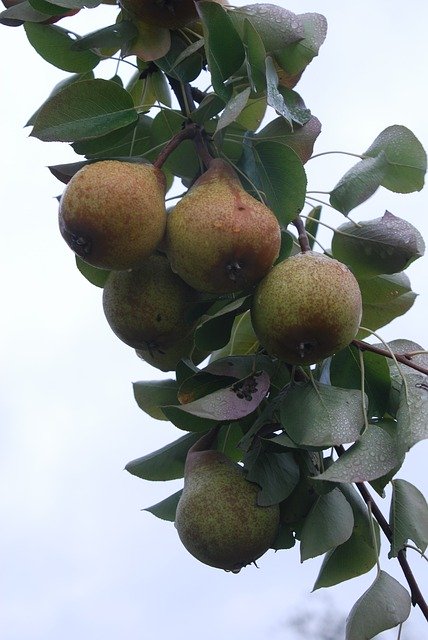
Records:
x=78, y=557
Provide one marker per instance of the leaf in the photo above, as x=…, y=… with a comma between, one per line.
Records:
x=300, y=139
x=77, y=77
x=243, y=340
x=277, y=171
x=133, y=140
x=241, y=366
x=166, y=508
x=358, y=554
x=408, y=517
x=182, y=62
x=372, y=456
x=233, y=108
x=95, y=276
x=166, y=463
x=396, y=160
x=332, y=415
x=255, y=55
x=412, y=413
x=152, y=43
x=214, y=331
x=151, y=395
x=329, y=523
x=111, y=37
x=183, y=161
x=64, y=172
x=406, y=157
x=312, y=226
x=223, y=46
x=82, y=110
x=55, y=46
x=345, y=372
x=276, y=473
x=384, y=297
x=276, y=26
x=296, y=56
x=231, y=403
x=287, y=103
x=384, y=605
x=16, y=14
x=383, y=245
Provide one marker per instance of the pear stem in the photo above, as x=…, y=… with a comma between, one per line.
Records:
x=190, y=130
x=202, y=149
x=303, y=239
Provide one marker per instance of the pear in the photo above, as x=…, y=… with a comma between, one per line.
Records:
x=112, y=214
x=219, y=238
x=166, y=357
x=307, y=308
x=149, y=306
x=218, y=519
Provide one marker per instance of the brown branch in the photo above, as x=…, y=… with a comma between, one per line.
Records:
x=190, y=130
x=416, y=594
x=202, y=149
x=402, y=358
x=303, y=236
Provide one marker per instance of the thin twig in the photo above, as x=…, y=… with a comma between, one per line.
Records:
x=404, y=358
x=189, y=132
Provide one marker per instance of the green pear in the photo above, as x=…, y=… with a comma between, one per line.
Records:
x=219, y=238
x=112, y=214
x=307, y=308
x=149, y=306
x=218, y=519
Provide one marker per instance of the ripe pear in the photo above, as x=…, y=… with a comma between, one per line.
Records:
x=149, y=306
x=219, y=238
x=218, y=519
x=307, y=308
x=171, y=14
x=112, y=214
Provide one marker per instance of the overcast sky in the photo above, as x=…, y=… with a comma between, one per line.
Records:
x=79, y=559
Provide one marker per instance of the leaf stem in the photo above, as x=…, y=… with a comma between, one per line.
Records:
x=417, y=597
x=343, y=153
x=405, y=358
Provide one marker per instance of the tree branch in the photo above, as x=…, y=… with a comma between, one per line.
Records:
x=405, y=358
x=416, y=594
x=190, y=131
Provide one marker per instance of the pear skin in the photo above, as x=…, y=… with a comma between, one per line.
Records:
x=166, y=357
x=151, y=307
x=219, y=238
x=307, y=308
x=218, y=519
x=112, y=214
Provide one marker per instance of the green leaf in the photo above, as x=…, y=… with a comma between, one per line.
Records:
x=276, y=26
x=406, y=157
x=358, y=554
x=55, y=46
x=329, y=523
x=384, y=605
x=379, y=484
x=296, y=56
x=133, y=140
x=383, y=245
x=166, y=508
x=111, y=37
x=332, y=415
x=19, y=13
x=233, y=109
x=64, y=172
x=166, y=463
x=82, y=110
x=396, y=160
x=77, y=77
x=286, y=102
x=385, y=297
x=277, y=171
x=408, y=517
x=183, y=161
x=241, y=366
x=255, y=55
x=151, y=395
x=223, y=46
x=97, y=277
x=412, y=413
x=312, y=226
x=276, y=473
x=215, y=330
x=243, y=340
x=372, y=456
x=182, y=62
x=345, y=371
x=300, y=139
x=152, y=43
x=78, y=4
x=48, y=8
x=231, y=403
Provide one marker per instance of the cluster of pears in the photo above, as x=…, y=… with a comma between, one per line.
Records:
x=218, y=239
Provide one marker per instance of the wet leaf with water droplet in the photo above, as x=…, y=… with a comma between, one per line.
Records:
x=383, y=606
x=412, y=413
x=276, y=26
x=408, y=517
x=383, y=245
x=331, y=415
x=276, y=474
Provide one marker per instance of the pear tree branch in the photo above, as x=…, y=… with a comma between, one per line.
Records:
x=189, y=132
x=405, y=358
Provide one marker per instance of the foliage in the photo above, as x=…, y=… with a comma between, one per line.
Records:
x=281, y=422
